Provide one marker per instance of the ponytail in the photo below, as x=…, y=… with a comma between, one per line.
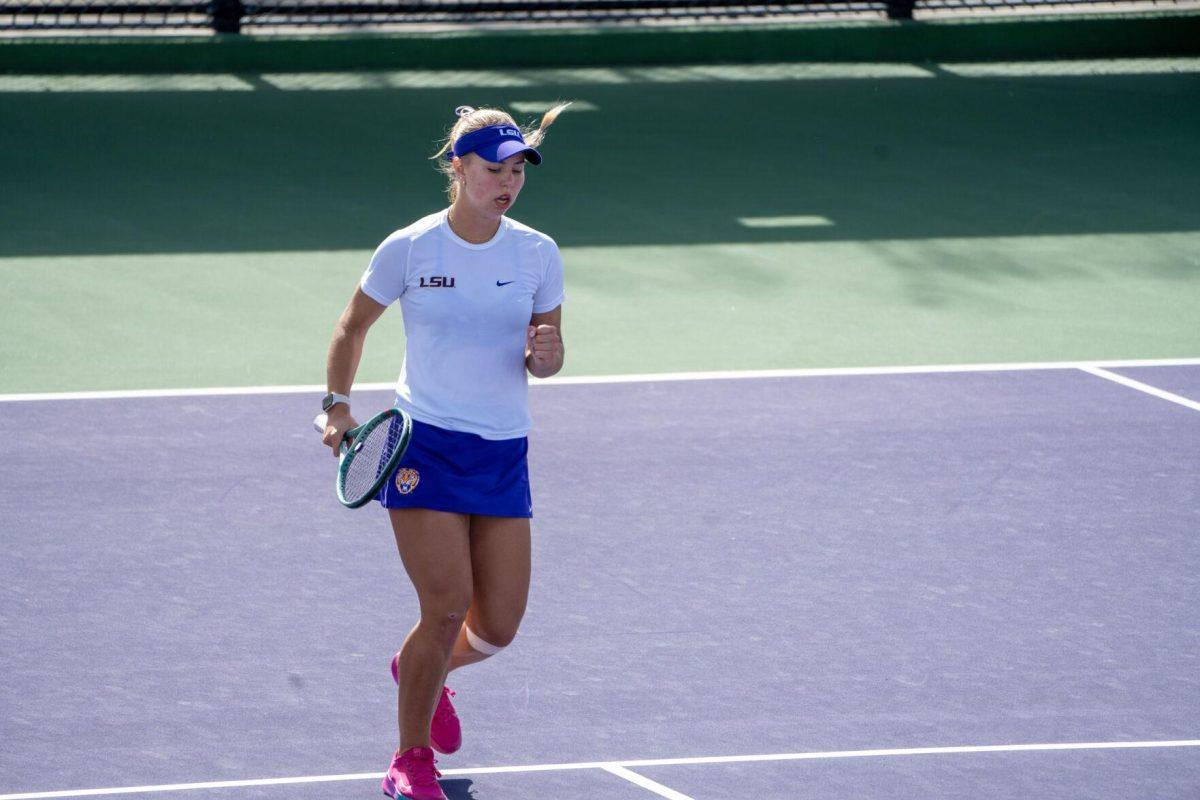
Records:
x=535, y=137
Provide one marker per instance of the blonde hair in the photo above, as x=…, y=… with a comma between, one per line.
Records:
x=472, y=119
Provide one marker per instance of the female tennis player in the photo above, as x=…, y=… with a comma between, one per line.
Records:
x=481, y=297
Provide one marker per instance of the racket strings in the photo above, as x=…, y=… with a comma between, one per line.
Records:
x=370, y=453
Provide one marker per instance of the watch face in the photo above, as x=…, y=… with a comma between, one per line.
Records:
x=327, y=402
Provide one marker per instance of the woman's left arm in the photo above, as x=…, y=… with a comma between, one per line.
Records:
x=544, y=344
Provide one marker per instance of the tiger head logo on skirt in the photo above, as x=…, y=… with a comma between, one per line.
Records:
x=407, y=480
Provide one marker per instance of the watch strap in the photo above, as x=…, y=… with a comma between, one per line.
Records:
x=332, y=399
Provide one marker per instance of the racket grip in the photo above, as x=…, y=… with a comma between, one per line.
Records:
x=321, y=420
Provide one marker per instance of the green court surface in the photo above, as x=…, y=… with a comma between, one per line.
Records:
x=177, y=231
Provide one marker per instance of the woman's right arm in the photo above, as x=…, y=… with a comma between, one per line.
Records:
x=345, y=351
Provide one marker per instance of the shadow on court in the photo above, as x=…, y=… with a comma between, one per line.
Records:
x=655, y=163
x=458, y=789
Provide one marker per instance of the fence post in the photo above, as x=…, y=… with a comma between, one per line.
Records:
x=227, y=15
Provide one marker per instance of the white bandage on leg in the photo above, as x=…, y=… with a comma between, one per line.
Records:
x=479, y=645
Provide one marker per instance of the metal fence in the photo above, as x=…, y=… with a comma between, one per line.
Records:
x=233, y=16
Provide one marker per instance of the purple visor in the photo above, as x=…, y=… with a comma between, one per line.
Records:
x=494, y=143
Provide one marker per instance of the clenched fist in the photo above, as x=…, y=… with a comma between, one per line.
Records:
x=543, y=351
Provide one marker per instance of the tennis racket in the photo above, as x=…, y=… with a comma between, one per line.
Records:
x=369, y=454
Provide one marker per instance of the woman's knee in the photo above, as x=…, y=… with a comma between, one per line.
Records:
x=445, y=610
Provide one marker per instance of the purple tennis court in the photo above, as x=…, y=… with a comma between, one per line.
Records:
x=825, y=586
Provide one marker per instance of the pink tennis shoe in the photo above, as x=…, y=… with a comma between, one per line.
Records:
x=413, y=775
x=445, y=732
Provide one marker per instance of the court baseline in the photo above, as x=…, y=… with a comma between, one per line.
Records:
x=1086, y=366
x=621, y=768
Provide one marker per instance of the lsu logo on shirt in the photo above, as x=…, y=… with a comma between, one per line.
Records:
x=437, y=282
x=407, y=480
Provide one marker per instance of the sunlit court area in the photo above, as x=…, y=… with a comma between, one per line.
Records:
x=871, y=471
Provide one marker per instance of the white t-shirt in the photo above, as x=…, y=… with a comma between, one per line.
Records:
x=466, y=314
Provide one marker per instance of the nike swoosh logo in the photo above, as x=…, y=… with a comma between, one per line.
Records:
x=503, y=283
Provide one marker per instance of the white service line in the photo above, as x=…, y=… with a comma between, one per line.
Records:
x=819, y=372
x=183, y=787
x=796, y=221
x=649, y=377
x=1142, y=387
x=539, y=106
x=215, y=391
x=646, y=783
x=608, y=765
x=908, y=751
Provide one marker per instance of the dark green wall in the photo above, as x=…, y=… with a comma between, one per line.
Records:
x=962, y=40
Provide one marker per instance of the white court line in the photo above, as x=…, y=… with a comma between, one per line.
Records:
x=183, y=787
x=128, y=394
x=646, y=783
x=1142, y=387
x=610, y=765
x=540, y=106
x=798, y=221
x=216, y=391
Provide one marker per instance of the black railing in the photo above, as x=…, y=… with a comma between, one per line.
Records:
x=231, y=16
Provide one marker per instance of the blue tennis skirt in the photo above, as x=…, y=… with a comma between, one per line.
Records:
x=461, y=472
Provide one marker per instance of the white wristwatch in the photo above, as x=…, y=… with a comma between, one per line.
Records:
x=332, y=399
